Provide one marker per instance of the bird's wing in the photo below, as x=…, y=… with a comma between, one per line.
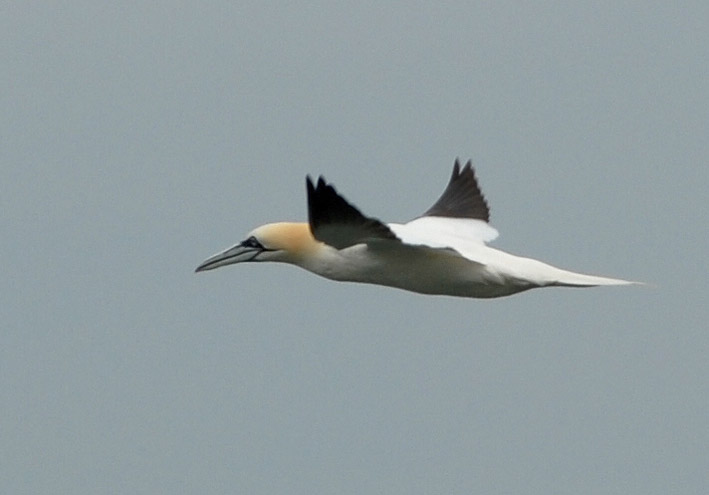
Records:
x=444, y=232
x=460, y=216
x=459, y=235
x=457, y=221
x=462, y=197
x=336, y=222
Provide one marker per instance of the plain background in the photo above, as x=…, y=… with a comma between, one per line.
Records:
x=139, y=138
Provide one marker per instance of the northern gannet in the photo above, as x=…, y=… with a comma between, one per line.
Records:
x=442, y=252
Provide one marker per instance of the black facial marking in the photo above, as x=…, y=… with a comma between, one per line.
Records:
x=252, y=242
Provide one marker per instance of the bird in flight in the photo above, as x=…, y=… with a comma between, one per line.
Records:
x=442, y=252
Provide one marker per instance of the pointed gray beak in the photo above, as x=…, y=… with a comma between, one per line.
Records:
x=236, y=254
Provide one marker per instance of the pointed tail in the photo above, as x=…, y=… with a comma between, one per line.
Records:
x=565, y=278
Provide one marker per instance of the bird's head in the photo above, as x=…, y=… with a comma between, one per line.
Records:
x=285, y=242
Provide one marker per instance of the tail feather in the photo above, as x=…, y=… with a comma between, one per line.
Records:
x=564, y=278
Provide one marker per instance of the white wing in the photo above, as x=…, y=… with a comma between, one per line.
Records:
x=458, y=220
x=444, y=232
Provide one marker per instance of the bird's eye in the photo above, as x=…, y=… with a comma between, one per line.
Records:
x=252, y=242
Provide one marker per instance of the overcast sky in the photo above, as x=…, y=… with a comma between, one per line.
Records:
x=139, y=138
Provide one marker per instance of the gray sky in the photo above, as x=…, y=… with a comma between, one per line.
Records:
x=139, y=139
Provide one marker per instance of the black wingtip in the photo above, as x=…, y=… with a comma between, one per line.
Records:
x=334, y=221
x=462, y=197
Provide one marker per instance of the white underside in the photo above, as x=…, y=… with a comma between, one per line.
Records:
x=435, y=259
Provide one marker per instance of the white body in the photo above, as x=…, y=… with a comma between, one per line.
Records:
x=429, y=262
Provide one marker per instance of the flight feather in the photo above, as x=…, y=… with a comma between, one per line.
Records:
x=338, y=223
